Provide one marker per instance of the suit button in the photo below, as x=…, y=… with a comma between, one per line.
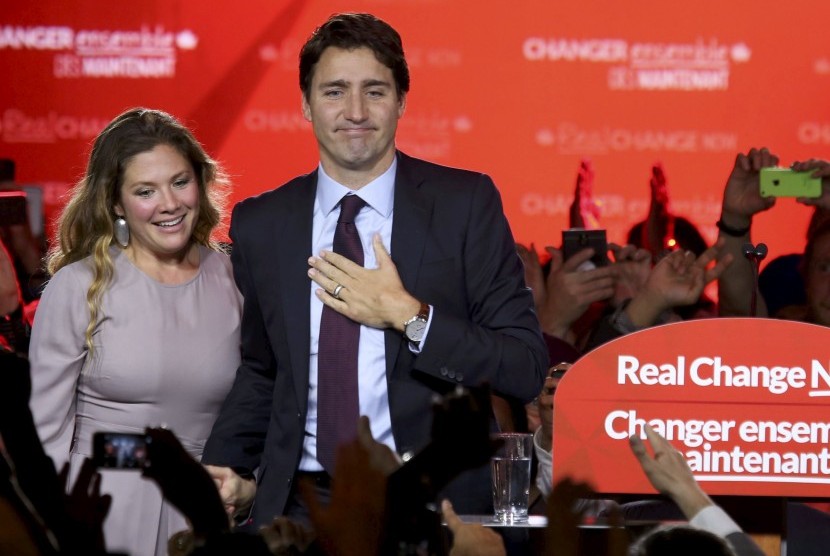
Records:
x=451, y=374
x=459, y=377
x=444, y=371
x=406, y=456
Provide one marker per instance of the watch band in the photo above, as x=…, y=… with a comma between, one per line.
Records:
x=423, y=314
x=730, y=231
x=415, y=328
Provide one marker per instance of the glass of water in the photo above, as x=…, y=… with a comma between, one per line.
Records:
x=510, y=467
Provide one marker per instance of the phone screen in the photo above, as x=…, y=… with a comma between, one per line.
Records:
x=115, y=450
x=12, y=208
x=575, y=240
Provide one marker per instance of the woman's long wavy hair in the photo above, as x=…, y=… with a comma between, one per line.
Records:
x=85, y=226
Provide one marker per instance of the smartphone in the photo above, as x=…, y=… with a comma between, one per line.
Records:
x=119, y=450
x=783, y=182
x=559, y=370
x=12, y=208
x=577, y=239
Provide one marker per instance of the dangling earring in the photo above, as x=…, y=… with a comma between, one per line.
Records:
x=122, y=232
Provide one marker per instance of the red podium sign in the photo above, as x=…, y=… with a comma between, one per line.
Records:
x=746, y=400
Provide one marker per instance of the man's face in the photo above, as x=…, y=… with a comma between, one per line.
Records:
x=818, y=281
x=354, y=108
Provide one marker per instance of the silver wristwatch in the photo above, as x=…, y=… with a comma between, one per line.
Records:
x=415, y=328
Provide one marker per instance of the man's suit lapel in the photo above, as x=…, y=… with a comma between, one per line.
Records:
x=294, y=250
x=410, y=225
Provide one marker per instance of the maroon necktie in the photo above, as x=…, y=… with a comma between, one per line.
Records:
x=337, y=396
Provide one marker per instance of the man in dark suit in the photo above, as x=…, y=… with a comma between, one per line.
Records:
x=439, y=299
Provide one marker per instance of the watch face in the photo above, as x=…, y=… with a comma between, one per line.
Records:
x=415, y=330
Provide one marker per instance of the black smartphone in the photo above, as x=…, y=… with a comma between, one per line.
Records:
x=577, y=239
x=12, y=208
x=559, y=370
x=119, y=450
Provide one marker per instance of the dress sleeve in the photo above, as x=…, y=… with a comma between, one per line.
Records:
x=57, y=354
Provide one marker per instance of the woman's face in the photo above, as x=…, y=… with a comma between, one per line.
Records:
x=159, y=199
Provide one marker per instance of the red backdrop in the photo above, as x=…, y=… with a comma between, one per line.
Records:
x=521, y=91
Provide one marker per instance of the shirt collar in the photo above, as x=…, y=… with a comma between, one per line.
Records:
x=378, y=193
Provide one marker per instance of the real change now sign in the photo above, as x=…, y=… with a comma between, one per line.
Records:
x=747, y=401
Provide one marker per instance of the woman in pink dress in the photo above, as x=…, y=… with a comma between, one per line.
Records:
x=139, y=325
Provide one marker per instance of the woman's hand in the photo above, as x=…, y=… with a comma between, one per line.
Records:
x=237, y=493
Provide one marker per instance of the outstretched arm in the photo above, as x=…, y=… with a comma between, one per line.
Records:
x=668, y=472
x=741, y=201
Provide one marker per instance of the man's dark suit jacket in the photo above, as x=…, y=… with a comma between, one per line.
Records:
x=453, y=249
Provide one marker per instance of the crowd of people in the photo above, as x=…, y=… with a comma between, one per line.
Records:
x=331, y=385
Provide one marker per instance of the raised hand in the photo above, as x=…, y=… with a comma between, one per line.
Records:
x=471, y=539
x=584, y=211
x=284, y=536
x=676, y=280
x=86, y=508
x=658, y=184
x=534, y=276
x=353, y=522
x=742, y=196
x=565, y=516
x=632, y=266
x=682, y=279
x=381, y=456
x=545, y=403
x=184, y=482
x=741, y=201
x=659, y=226
x=820, y=169
x=669, y=473
x=461, y=429
x=569, y=291
x=460, y=440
